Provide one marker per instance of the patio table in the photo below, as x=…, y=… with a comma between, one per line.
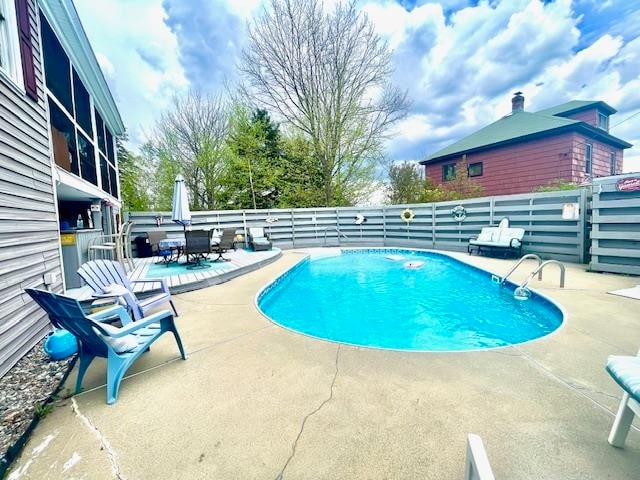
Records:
x=174, y=245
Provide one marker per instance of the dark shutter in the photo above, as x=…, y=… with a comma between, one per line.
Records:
x=26, y=52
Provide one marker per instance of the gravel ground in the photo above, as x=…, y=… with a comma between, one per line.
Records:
x=24, y=390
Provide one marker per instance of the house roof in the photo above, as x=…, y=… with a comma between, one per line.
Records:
x=520, y=126
x=576, y=106
x=65, y=22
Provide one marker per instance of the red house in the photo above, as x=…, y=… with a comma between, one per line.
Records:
x=524, y=150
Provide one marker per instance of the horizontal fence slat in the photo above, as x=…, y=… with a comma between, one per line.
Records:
x=615, y=231
x=433, y=225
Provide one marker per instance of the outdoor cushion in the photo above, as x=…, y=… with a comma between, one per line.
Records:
x=120, y=345
x=256, y=232
x=486, y=234
x=625, y=370
x=508, y=234
x=115, y=290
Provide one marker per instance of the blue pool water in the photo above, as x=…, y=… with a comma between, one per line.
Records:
x=365, y=298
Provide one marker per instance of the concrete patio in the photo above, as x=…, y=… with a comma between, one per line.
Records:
x=254, y=400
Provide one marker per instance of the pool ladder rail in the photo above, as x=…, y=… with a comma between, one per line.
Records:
x=340, y=234
x=522, y=292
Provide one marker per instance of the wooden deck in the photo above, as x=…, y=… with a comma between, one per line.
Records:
x=240, y=262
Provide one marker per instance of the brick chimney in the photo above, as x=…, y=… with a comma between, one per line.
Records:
x=517, y=103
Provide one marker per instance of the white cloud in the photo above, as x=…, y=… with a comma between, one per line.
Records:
x=460, y=71
x=460, y=67
x=138, y=55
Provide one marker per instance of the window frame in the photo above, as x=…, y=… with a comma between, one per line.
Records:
x=588, y=158
x=475, y=164
x=605, y=122
x=613, y=162
x=448, y=167
x=11, y=66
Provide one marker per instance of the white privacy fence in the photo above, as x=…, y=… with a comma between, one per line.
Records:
x=554, y=223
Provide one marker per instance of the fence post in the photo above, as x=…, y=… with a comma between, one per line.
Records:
x=293, y=229
x=244, y=224
x=492, y=205
x=384, y=226
x=433, y=226
x=583, y=238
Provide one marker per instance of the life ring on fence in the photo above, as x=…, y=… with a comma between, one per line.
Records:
x=407, y=215
x=459, y=213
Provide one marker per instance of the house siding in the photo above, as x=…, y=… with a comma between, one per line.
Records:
x=587, y=116
x=517, y=168
x=600, y=158
x=520, y=168
x=29, y=237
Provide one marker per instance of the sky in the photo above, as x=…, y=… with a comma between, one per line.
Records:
x=460, y=61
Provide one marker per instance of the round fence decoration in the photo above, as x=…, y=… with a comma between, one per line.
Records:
x=407, y=215
x=459, y=213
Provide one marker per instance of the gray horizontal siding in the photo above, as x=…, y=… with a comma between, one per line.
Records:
x=29, y=245
x=615, y=231
x=433, y=226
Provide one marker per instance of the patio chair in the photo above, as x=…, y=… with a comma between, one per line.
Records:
x=504, y=239
x=477, y=466
x=258, y=239
x=226, y=243
x=197, y=248
x=625, y=370
x=154, y=241
x=103, y=276
x=120, y=346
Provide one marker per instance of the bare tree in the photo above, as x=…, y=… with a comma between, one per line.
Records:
x=192, y=135
x=327, y=74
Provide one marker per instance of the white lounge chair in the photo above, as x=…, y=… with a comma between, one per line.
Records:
x=501, y=238
x=477, y=466
x=625, y=370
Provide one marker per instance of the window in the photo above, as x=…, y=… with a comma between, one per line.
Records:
x=9, y=43
x=104, y=174
x=109, y=140
x=82, y=104
x=588, y=150
x=63, y=139
x=56, y=67
x=448, y=172
x=114, y=181
x=100, y=133
x=603, y=121
x=614, y=163
x=475, y=169
x=87, y=159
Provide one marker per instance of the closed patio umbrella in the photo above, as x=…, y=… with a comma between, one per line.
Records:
x=180, y=212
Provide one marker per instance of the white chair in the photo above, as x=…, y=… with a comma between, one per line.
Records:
x=477, y=466
x=625, y=370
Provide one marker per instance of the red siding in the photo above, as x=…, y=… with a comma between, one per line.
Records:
x=600, y=158
x=586, y=116
x=522, y=167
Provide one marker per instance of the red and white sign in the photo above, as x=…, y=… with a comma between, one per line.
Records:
x=630, y=184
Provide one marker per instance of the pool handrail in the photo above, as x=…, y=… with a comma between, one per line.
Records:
x=522, y=259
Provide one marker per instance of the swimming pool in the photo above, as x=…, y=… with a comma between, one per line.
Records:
x=404, y=300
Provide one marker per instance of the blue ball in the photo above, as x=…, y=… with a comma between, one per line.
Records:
x=60, y=344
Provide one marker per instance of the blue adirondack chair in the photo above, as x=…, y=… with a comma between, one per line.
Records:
x=120, y=346
x=101, y=274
